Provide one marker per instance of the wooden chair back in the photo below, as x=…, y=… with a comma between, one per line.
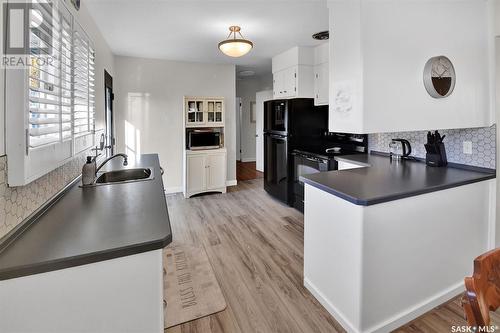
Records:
x=483, y=289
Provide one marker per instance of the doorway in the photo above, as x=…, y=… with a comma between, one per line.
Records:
x=261, y=97
x=109, y=117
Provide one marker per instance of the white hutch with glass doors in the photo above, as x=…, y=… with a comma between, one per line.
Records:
x=205, y=169
x=50, y=102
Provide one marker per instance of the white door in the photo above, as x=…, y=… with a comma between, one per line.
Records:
x=196, y=173
x=238, y=128
x=260, y=98
x=216, y=176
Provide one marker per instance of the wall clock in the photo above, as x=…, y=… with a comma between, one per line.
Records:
x=76, y=3
x=439, y=77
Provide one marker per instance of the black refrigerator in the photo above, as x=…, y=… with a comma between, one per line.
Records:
x=289, y=124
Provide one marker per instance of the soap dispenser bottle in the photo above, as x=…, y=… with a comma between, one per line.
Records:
x=88, y=171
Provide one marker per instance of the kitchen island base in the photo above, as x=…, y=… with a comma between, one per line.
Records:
x=377, y=267
x=119, y=295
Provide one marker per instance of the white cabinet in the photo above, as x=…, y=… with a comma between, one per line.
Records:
x=321, y=74
x=204, y=112
x=285, y=83
x=376, y=80
x=205, y=172
x=216, y=171
x=293, y=73
x=321, y=78
x=196, y=166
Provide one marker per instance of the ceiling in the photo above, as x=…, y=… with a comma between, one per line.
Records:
x=189, y=30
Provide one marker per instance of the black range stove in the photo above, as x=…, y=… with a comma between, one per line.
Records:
x=310, y=161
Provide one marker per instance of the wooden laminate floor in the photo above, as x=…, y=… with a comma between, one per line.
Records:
x=255, y=246
x=247, y=171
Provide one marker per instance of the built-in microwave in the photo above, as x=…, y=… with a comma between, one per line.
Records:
x=198, y=139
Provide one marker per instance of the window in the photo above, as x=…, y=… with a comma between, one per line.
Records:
x=62, y=94
x=50, y=83
x=84, y=85
x=50, y=105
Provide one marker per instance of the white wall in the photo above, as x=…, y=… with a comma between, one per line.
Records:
x=149, y=108
x=246, y=89
x=496, y=4
x=379, y=53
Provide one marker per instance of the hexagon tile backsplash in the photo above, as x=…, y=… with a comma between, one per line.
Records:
x=483, y=144
x=17, y=203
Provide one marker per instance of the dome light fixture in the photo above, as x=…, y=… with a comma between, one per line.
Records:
x=235, y=47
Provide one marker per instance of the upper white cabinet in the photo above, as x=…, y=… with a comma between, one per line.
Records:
x=376, y=71
x=285, y=82
x=321, y=74
x=293, y=73
x=204, y=112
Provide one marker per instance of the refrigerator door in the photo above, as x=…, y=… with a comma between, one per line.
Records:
x=276, y=117
x=276, y=173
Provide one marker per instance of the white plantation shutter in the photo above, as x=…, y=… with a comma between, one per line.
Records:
x=84, y=85
x=92, y=88
x=61, y=94
x=50, y=84
x=50, y=105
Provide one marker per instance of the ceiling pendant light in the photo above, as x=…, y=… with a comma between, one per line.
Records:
x=235, y=47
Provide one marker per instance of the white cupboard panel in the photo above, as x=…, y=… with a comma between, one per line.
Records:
x=321, y=78
x=196, y=173
x=216, y=171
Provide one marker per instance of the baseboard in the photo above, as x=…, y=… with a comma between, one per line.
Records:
x=170, y=190
x=419, y=309
x=248, y=159
x=346, y=324
x=396, y=321
x=233, y=182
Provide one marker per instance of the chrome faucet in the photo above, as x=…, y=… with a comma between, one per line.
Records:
x=89, y=170
x=125, y=161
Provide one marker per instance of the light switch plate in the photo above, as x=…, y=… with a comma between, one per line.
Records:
x=467, y=147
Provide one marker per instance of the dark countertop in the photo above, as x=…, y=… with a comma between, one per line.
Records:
x=381, y=180
x=93, y=224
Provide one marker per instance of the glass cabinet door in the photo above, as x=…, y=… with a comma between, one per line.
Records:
x=218, y=112
x=194, y=112
x=214, y=112
x=211, y=111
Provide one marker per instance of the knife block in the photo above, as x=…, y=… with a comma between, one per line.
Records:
x=436, y=155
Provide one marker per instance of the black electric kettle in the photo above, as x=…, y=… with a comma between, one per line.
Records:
x=405, y=146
